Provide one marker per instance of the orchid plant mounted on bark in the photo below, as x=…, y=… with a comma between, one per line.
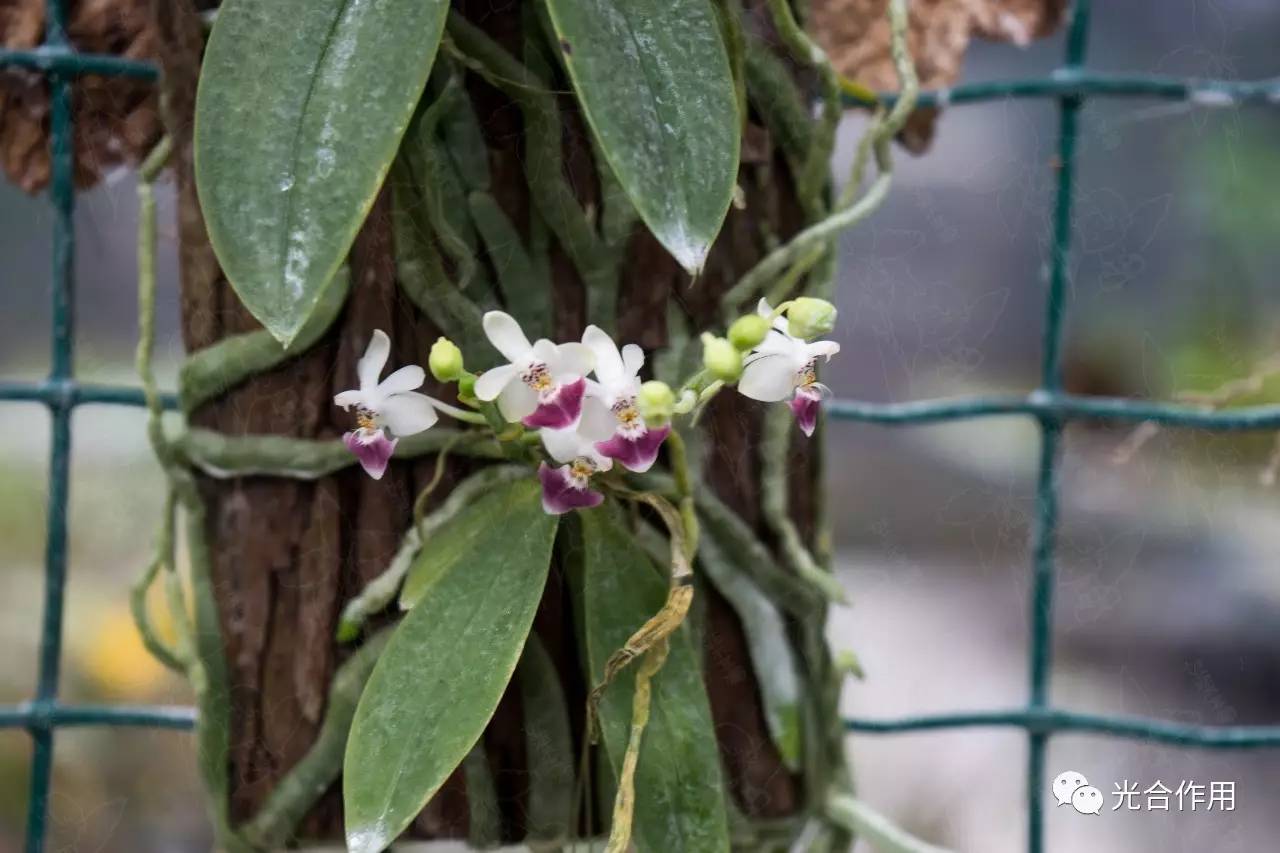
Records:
x=573, y=410
x=586, y=457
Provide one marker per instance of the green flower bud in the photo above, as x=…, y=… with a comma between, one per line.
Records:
x=467, y=385
x=656, y=402
x=748, y=331
x=721, y=358
x=445, y=360
x=808, y=317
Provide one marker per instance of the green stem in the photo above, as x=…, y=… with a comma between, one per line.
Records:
x=684, y=489
x=380, y=591
x=200, y=640
x=293, y=796
x=484, y=828
x=768, y=645
x=169, y=656
x=813, y=175
x=420, y=270
x=781, y=106
x=775, y=444
x=212, y=371
x=544, y=171
x=548, y=748
x=226, y=456
x=815, y=236
x=880, y=832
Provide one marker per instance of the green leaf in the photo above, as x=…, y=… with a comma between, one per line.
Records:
x=679, y=791
x=776, y=670
x=445, y=668
x=654, y=81
x=300, y=110
x=210, y=371
x=464, y=534
x=548, y=747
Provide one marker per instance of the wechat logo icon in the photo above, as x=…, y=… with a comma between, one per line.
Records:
x=1071, y=788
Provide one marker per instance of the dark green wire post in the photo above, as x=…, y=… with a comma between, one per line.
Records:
x=1045, y=533
x=1049, y=406
x=62, y=192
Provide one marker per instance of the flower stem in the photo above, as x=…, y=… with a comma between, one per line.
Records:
x=684, y=489
x=460, y=414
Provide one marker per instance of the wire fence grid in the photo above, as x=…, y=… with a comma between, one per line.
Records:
x=1049, y=406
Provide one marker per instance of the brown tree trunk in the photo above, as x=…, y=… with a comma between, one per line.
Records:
x=288, y=554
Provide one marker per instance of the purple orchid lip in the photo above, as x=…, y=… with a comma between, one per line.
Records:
x=561, y=409
x=373, y=452
x=635, y=454
x=560, y=495
x=805, y=405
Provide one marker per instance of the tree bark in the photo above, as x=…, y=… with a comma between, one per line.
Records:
x=287, y=555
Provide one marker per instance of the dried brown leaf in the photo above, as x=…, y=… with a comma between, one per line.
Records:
x=855, y=33
x=115, y=119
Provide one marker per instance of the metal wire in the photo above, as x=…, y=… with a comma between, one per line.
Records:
x=1049, y=406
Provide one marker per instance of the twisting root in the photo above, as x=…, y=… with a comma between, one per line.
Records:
x=650, y=641
x=652, y=633
x=663, y=623
x=624, y=804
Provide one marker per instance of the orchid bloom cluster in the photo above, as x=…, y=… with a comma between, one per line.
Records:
x=585, y=399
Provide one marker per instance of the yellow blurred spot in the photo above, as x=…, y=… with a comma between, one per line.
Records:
x=115, y=660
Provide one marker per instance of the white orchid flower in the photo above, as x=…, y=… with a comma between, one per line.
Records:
x=783, y=367
x=567, y=487
x=611, y=403
x=542, y=384
x=390, y=405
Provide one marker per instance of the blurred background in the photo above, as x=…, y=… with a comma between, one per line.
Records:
x=1168, y=594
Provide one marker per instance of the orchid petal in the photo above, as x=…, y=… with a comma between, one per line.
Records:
x=575, y=359
x=805, y=405
x=566, y=445
x=780, y=342
x=632, y=360
x=598, y=422
x=408, y=413
x=517, y=401
x=560, y=409
x=822, y=348
x=370, y=365
x=608, y=359
x=563, y=445
x=635, y=454
x=505, y=334
x=768, y=378
x=560, y=495
x=408, y=378
x=347, y=399
x=490, y=383
x=548, y=353
x=372, y=451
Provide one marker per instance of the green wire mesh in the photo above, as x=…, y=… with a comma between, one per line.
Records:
x=1048, y=405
